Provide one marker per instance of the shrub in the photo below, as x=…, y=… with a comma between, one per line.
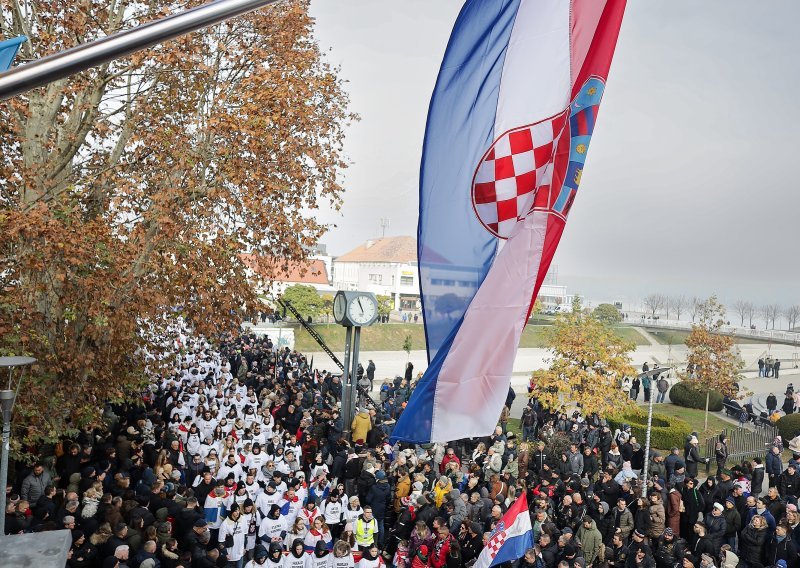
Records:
x=667, y=431
x=684, y=394
x=789, y=427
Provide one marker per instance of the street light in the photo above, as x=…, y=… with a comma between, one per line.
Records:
x=7, y=398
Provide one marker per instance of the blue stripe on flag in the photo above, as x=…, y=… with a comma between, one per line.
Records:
x=455, y=251
x=8, y=50
x=513, y=548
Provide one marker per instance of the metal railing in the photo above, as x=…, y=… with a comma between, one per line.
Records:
x=743, y=443
x=777, y=336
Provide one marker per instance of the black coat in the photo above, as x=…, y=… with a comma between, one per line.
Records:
x=757, y=481
x=379, y=497
x=784, y=550
x=751, y=543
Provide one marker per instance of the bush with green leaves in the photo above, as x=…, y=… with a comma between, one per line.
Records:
x=684, y=394
x=666, y=431
x=789, y=427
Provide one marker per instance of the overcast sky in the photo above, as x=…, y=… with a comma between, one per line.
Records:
x=690, y=185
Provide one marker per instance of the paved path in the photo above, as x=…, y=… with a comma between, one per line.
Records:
x=647, y=335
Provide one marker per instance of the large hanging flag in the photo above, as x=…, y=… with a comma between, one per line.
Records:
x=509, y=125
x=512, y=536
x=8, y=50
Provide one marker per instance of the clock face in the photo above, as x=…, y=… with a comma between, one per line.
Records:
x=339, y=307
x=362, y=310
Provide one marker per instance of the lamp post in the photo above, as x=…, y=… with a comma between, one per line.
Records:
x=652, y=374
x=7, y=398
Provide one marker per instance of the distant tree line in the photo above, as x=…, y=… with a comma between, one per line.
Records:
x=673, y=307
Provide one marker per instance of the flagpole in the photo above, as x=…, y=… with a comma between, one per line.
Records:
x=120, y=44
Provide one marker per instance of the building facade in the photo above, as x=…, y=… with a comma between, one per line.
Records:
x=384, y=266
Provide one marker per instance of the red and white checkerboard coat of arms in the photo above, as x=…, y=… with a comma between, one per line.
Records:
x=516, y=168
x=497, y=540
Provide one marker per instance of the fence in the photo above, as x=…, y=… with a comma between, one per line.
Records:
x=743, y=443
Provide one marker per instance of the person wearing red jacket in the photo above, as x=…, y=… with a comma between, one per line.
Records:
x=450, y=456
x=441, y=548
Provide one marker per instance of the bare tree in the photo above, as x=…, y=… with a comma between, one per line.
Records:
x=678, y=305
x=742, y=308
x=655, y=303
x=769, y=313
x=751, y=313
x=792, y=313
x=694, y=306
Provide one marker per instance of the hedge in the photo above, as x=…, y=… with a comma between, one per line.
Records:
x=789, y=427
x=687, y=396
x=667, y=431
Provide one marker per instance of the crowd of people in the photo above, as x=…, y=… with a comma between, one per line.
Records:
x=239, y=457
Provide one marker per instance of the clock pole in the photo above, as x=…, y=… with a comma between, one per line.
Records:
x=352, y=388
x=347, y=415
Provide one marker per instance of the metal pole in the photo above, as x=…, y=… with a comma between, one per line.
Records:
x=647, y=435
x=98, y=52
x=347, y=416
x=354, y=375
x=7, y=399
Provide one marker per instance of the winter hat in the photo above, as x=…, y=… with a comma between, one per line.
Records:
x=731, y=500
x=668, y=532
x=569, y=550
x=200, y=523
x=719, y=506
x=380, y=475
x=417, y=486
x=781, y=563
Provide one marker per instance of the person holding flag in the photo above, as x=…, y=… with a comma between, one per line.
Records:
x=511, y=538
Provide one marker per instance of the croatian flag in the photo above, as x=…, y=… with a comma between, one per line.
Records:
x=8, y=50
x=512, y=536
x=509, y=126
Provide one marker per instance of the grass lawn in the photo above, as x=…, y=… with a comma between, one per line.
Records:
x=695, y=418
x=390, y=337
x=676, y=337
x=385, y=337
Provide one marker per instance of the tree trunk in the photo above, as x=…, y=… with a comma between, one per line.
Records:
x=708, y=395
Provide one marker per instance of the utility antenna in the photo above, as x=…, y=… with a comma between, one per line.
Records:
x=384, y=225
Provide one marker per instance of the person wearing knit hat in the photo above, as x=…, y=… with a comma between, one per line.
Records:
x=719, y=506
x=668, y=532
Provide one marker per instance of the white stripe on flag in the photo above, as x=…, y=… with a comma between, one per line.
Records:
x=468, y=396
x=536, y=73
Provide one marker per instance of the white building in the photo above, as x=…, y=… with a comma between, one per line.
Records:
x=384, y=266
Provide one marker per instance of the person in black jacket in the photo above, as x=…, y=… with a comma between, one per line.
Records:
x=789, y=482
x=781, y=547
x=757, y=478
x=668, y=549
x=471, y=539
x=702, y=544
x=693, y=504
x=379, y=497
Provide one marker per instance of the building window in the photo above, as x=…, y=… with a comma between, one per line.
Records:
x=406, y=281
x=376, y=278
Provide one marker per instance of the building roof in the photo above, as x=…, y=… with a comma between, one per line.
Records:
x=387, y=249
x=312, y=271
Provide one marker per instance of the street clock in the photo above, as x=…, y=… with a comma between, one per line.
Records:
x=355, y=309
